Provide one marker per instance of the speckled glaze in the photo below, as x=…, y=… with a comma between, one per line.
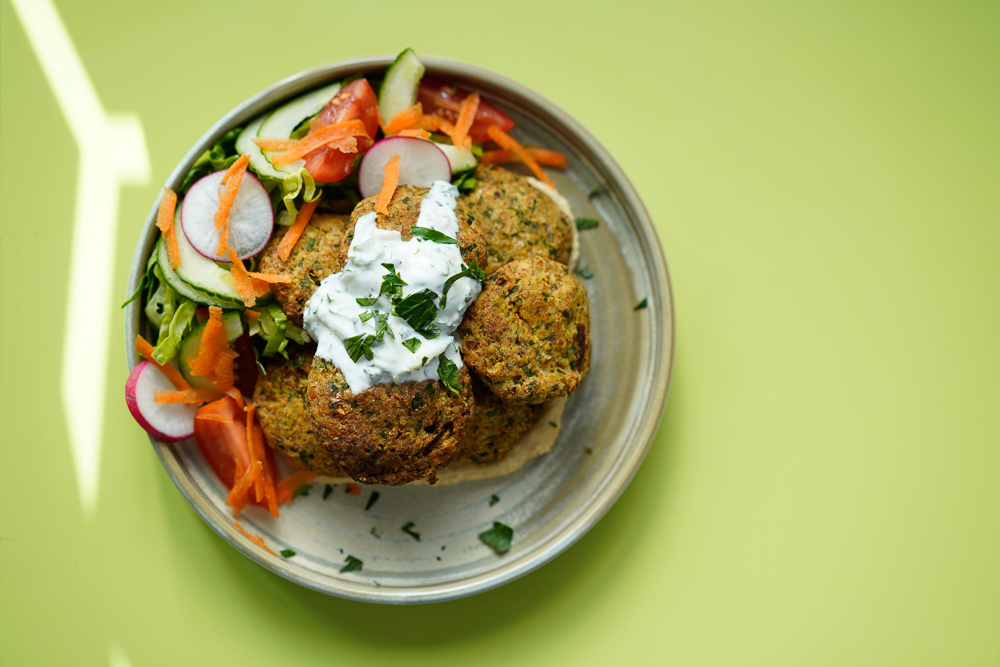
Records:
x=553, y=500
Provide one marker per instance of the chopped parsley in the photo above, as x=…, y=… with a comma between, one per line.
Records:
x=371, y=301
x=367, y=315
x=471, y=271
x=327, y=491
x=586, y=223
x=642, y=304
x=375, y=534
x=382, y=326
x=392, y=284
x=419, y=311
x=371, y=500
x=412, y=344
x=498, y=537
x=301, y=491
x=428, y=234
x=553, y=425
x=600, y=187
x=353, y=564
x=494, y=499
x=360, y=345
x=286, y=553
x=466, y=181
x=407, y=529
x=448, y=372
x=585, y=273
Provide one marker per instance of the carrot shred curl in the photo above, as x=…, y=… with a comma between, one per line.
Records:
x=335, y=132
x=270, y=277
x=418, y=133
x=237, y=498
x=259, y=541
x=389, y=181
x=508, y=143
x=288, y=486
x=269, y=474
x=213, y=418
x=232, y=181
x=542, y=156
x=214, y=358
x=466, y=115
x=291, y=237
x=248, y=287
x=186, y=396
x=165, y=221
x=256, y=453
x=405, y=119
x=175, y=377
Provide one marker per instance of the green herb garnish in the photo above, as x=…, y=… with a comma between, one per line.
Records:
x=353, y=564
x=412, y=344
x=406, y=529
x=642, y=304
x=360, y=345
x=494, y=499
x=600, y=187
x=375, y=533
x=371, y=500
x=371, y=301
x=585, y=273
x=498, y=537
x=553, y=425
x=586, y=223
x=466, y=180
x=367, y=315
x=382, y=326
x=287, y=553
x=428, y=234
x=327, y=491
x=448, y=372
x=471, y=271
x=419, y=311
x=392, y=284
x=301, y=491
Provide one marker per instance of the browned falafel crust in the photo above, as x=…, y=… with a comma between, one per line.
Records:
x=315, y=256
x=389, y=433
x=517, y=220
x=527, y=336
x=282, y=400
x=404, y=210
x=496, y=426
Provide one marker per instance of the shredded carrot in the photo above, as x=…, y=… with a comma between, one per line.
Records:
x=508, y=143
x=407, y=118
x=542, y=156
x=276, y=144
x=244, y=283
x=165, y=221
x=389, y=180
x=175, y=377
x=213, y=337
x=288, y=486
x=270, y=277
x=237, y=498
x=269, y=474
x=353, y=490
x=232, y=179
x=213, y=418
x=433, y=123
x=310, y=142
x=291, y=237
x=187, y=396
x=259, y=541
x=252, y=315
x=237, y=396
x=466, y=115
x=256, y=454
x=418, y=133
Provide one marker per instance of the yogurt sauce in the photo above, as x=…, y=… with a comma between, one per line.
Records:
x=334, y=315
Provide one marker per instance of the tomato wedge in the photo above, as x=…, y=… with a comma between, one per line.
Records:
x=356, y=100
x=222, y=439
x=445, y=99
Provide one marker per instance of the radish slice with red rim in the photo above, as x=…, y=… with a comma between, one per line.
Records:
x=420, y=164
x=251, y=219
x=169, y=422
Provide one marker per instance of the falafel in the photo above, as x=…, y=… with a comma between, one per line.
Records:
x=517, y=219
x=389, y=433
x=496, y=426
x=527, y=336
x=315, y=256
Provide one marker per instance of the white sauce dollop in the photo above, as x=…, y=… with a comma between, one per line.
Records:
x=333, y=314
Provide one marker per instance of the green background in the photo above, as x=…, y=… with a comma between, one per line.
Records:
x=825, y=178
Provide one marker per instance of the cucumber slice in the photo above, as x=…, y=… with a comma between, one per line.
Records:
x=246, y=146
x=399, y=88
x=185, y=290
x=200, y=272
x=189, y=347
x=461, y=159
x=280, y=123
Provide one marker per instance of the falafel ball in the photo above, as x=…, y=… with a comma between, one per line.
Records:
x=517, y=219
x=315, y=256
x=282, y=400
x=389, y=433
x=496, y=426
x=404, y=209
x=527, y=336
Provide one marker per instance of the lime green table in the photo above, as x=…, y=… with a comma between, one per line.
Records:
x=825, y=487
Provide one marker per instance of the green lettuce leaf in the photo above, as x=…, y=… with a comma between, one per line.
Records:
x=171, y=334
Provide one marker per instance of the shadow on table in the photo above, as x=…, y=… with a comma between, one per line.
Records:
x=585, y=572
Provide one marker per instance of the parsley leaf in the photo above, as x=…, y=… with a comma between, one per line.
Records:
x=371, y=500
x=412, y=344
x=585, y=273
x=302, y=491
x=353, y=564
x=448, y=372
x=375, y=534
x=360, y=345
x=287, y=553
x=327, y=491
x=494, y=499
x=642, y=304
x=367, y=315
x=600, y=187
x=498, y=537
x=419, y=311
x=382, y=326
x=406, y=529
x=471, y=271
x=586, y=223
x=367, y=302
x=392, y=284
x=428, y=234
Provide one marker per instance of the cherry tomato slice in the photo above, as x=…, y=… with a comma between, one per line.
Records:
x=444, y=99
x=224, y=443
x=356, y=100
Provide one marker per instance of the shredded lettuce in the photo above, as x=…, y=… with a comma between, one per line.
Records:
x=296, y=333
x=220, y=156
x=276, y=341
x=172, y=332
x=161, y=304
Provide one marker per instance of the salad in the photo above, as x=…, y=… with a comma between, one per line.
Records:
x=350, y=287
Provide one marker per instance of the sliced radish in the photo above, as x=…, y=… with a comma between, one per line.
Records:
x=251, y=219
x=169, y=422
x=420, y=164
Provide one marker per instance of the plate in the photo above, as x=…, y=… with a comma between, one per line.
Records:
x=606, y=429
